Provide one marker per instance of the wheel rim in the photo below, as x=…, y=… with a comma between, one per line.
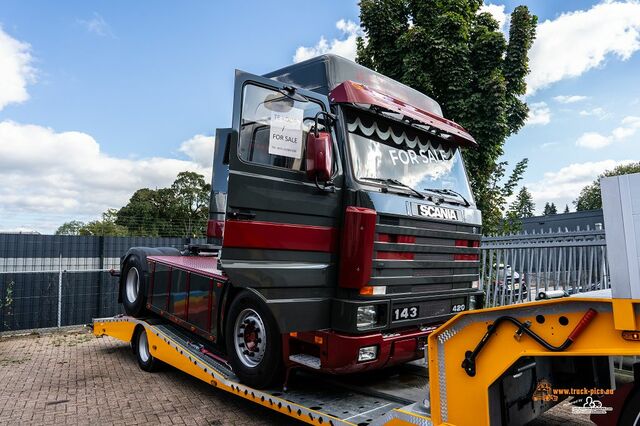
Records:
x=132, y=285
x=143, y=347
x=250, y=338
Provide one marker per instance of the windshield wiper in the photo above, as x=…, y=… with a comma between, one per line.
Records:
x=449, y=192
x=397, y=183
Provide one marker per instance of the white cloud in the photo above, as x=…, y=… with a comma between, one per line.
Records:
x=564, y=99
x=576, y=42
x=498, y=13
x=199, y=149
x=539, y=114
x=563, y=186
x=631, y=120
x=629, y=127
x=16, y=70
x=65, y=174
x=345, y=46
x=596, y=112
x=97, y=25
x=592, y=140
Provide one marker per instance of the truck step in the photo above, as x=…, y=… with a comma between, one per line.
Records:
x=306, y=360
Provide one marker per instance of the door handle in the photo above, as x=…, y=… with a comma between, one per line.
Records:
x=242, y=215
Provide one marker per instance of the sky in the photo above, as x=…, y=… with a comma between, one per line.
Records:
x=100, y=98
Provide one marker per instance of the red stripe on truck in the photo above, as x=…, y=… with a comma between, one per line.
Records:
x=279, y=236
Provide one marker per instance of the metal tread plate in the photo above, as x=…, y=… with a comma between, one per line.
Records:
x=204, y=265
x=306, y=390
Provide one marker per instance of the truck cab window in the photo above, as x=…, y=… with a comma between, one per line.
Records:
x=382, y=149
x=274, y=127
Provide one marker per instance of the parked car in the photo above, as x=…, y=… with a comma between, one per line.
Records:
x=507, y=281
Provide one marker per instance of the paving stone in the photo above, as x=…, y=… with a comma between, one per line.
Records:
x=72, y=377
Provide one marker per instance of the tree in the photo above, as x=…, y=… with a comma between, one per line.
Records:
x=70, y=228
x=150, y=213
x=590, y=197
x=192, y=201
x=181, y=210
x=459, y=57
x=566, y=208
x=105, y=227
x=550, y=209
x=523, y=206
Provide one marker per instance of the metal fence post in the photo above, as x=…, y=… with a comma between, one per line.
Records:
x=60, y=292
x=101, y=255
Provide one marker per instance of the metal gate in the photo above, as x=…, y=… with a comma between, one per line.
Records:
x=517, y=268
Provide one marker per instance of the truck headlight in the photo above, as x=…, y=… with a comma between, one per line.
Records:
x=367, y=353
x=366, y=317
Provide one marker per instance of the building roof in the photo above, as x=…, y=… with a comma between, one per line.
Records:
x=570, y=221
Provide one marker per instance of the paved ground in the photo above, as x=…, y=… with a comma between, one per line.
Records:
x=75, y=378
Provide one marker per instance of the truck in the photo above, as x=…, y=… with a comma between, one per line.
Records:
x=293, y=256
x=342, y=229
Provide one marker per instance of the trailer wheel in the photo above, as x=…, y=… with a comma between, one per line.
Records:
x=140, y=346
x=631, y=411
x=253, y=341
x=133, y=288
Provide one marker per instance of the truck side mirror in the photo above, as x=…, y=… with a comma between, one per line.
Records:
x=319, y=156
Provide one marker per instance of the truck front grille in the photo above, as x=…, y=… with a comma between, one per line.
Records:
x=424, y=256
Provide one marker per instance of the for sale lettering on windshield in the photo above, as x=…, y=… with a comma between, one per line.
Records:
x=399, y=156
x=285, y=133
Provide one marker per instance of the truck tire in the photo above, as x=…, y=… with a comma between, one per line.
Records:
x=134, y=287
x=631, y=412
x=253, y=341
x=140, y=346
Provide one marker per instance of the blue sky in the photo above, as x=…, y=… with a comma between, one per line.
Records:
x=101, y=98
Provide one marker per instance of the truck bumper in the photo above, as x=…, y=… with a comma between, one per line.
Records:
x=339, y=352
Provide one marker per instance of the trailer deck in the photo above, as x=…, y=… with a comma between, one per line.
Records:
x=310, y=397
x=481, y=347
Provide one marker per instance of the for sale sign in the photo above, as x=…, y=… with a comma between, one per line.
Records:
x=285, y=133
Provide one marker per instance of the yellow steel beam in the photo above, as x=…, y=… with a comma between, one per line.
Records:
x=457, y=398
x=623, y=316
x=120, y=328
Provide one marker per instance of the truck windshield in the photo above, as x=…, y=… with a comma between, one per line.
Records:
x=385, y=151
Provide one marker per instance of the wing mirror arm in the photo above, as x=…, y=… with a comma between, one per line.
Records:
x=331, y=118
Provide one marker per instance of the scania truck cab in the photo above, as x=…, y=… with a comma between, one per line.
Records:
x=342, y=224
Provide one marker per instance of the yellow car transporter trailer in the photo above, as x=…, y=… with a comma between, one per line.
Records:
x=472, y=361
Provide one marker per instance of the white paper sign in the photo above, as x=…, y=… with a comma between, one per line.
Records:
x=285, y=133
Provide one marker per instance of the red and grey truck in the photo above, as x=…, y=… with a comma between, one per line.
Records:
x=342, y=229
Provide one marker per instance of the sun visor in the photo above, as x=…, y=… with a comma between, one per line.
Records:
x=359, y=94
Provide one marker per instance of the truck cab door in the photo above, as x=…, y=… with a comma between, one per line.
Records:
x=281, y=230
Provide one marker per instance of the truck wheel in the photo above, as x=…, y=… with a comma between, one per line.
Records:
x=133, y=288
x=140, y=345
x=253, y=342
x=631, y=411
